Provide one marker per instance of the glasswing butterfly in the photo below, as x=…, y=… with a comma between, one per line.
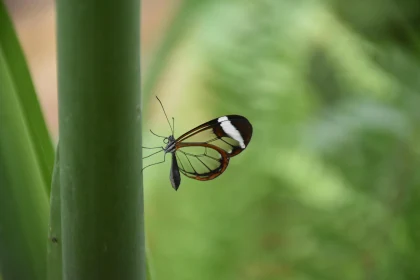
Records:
x=203, y=153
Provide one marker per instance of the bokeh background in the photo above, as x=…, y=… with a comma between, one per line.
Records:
x=329, y=187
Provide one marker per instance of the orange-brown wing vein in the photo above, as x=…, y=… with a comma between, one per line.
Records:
x=201, y=161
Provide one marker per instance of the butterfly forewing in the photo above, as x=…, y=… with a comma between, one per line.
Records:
x=231, y=133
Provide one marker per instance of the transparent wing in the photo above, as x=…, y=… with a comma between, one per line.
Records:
x=230, y=133
x=201, y=161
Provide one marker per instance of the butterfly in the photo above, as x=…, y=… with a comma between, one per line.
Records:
x=203, y=153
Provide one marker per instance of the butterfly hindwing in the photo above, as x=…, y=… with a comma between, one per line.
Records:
x=201, y=161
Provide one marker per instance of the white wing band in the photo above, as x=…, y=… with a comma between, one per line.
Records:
x=230, y=130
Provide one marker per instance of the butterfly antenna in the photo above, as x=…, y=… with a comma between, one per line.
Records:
x=164, y=158
x=173, y=126
x=165, y=115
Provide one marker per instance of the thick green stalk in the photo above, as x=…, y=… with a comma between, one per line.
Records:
x=100, y=139
x=54, y=252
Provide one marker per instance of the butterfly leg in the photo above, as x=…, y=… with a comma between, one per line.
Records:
x=164, y=158
x=151, y=148
x=162, y=150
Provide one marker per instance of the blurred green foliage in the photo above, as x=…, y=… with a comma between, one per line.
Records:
x=26, y=159
x=329, y=185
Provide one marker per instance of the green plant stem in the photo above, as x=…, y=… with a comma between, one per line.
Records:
x=54, y=252
x=100, y=139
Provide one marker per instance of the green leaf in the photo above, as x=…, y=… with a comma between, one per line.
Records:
x=26, y=156
x=26, y=97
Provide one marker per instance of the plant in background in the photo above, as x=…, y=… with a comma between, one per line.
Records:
x=26, y=160
x=328, y=188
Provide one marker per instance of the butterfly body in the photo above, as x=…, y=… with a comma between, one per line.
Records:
x=203, y=153
x=175, y=176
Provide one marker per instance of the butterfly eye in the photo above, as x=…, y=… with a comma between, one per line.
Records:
x=165, y=141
